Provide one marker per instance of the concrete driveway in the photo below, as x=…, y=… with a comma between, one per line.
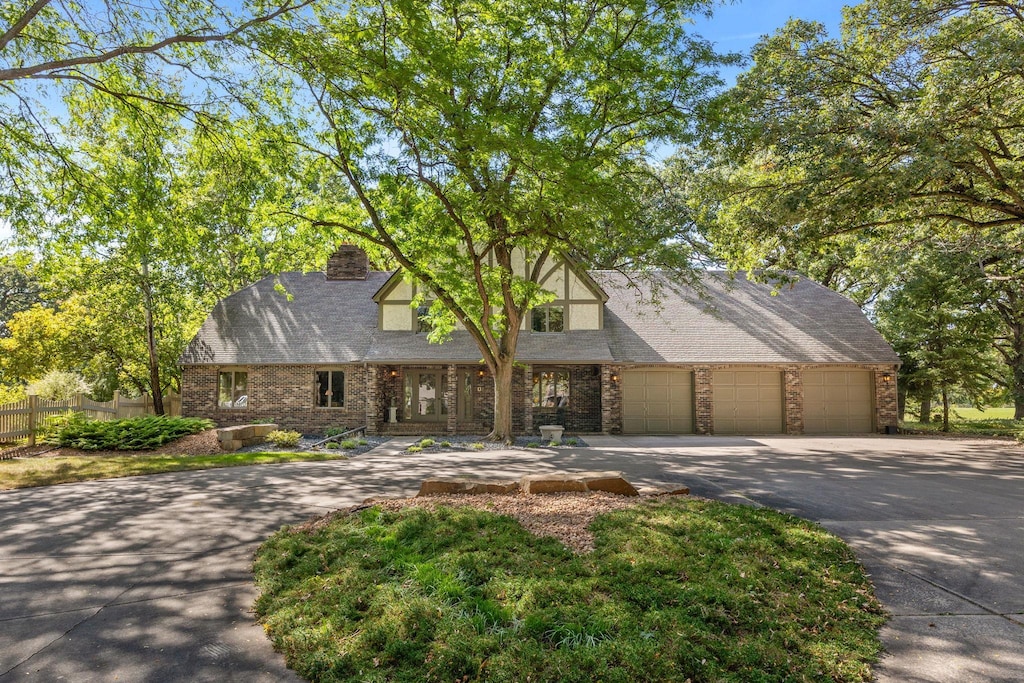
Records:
x=147, y=578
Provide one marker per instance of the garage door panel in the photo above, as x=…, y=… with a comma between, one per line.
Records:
x=658, y=401
x=838, y=401
x=747, y=401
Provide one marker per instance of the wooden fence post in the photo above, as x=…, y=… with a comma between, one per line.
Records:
x=32, y=403
x=117, y=404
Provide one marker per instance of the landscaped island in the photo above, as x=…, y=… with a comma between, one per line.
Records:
x=683, y=590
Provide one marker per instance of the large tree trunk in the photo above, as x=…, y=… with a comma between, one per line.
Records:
x=1017, y=368
x=945, y=409
x=154, y=359
x=926, y=403
x=503, y=373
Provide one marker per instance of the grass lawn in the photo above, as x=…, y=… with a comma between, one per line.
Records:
x=42, y=471
x=675, y=591
x=989, y=422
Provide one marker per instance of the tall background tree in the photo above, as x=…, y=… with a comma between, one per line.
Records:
x=906, y=132
x=456, y=134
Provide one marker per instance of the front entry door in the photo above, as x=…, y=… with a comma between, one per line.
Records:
x=424, y=396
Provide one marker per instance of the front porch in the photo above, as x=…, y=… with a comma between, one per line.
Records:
x=459, y=399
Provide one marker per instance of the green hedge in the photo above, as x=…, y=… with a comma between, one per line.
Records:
x=75, y=430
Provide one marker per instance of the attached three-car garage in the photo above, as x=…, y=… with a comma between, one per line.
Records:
x=747, y=400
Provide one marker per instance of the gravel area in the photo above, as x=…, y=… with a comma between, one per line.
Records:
x=564, y=516
x=463, y=443
x=307, y=441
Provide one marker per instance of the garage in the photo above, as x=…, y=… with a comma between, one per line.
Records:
x=747, y=401
x=657, y=402
x=838, y=401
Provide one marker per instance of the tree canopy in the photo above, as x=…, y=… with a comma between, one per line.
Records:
x=844, y=156
x=455, y=134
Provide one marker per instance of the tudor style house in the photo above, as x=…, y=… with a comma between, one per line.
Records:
x=346, y=348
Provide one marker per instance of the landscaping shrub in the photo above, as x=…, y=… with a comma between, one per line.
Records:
x=333, y=445
x=427, y=443
x=283, y=438
x=349, y=444
x=76, y=430
x=333, y=431
x=414, y=449
x=477, y=446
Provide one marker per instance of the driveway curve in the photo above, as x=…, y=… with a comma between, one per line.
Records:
x=147, y=578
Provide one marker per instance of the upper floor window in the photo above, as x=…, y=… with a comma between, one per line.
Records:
x=549, y=318
x=233, y=389
x=423, y=324
x=330, y=388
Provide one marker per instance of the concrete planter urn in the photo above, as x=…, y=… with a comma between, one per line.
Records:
x=551, y=432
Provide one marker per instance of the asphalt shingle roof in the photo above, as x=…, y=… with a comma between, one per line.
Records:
x=335, y=321
x=738, y=321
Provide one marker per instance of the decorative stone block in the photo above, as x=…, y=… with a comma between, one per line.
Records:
x=233, y=438
x=609, y=482
x=552, y=483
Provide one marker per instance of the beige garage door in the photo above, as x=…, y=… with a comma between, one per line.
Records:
x=747, y=401
x=838, y=402
x=657, y=402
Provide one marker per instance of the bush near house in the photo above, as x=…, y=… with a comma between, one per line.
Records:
x=677, y=591
x=76, y=430
x=283, y=438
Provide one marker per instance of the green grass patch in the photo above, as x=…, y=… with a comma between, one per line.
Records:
x=971, y=421
x=675, y=591
x=41, y=471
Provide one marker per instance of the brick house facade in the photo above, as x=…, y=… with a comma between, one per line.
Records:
x=262, y=356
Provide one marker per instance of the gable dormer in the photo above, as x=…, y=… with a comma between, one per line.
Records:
x=578, y=304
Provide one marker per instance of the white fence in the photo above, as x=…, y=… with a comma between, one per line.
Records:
x=22, y=418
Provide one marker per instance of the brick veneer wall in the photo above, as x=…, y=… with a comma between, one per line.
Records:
x=349, y=262
x=611, y=399
x=886, y=399
x=703, y=418
x=793, y=388
x=583, y=414
x=283, y=394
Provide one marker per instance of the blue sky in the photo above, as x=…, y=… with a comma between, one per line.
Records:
x=735, y=27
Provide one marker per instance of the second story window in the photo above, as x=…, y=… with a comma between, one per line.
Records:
x=422, y=323
x=549, y=318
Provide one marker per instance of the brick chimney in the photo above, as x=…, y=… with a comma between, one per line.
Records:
x=349, y=262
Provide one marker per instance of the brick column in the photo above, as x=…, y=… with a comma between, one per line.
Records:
x=372, y=409
x=702, y=394
x=611, y=399
x=886, y=411
x=794, y=397
x=451, y=399
x=528, y=400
